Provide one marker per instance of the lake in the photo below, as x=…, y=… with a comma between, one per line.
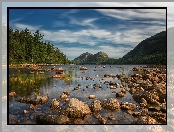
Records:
x=55, y=87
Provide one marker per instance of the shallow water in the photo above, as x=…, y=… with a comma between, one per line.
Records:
x=55, y=87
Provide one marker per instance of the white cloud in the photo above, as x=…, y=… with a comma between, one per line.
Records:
x=86, y=22
x=20, y=26
x=82, y=36
x=129, y=14
x=169, y=5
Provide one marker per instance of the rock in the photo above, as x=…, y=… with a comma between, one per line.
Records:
x=143, y=102
x=83, y=68
x=123, y=91
x=145, y=120
x=101, y=120
x=96, y=85
x=63, y=96
x=31, y=107
x=73, y=108
x=111, y=118
x=78, y=121
x=127, y=106
x=96, y=106
x=11, y=94
x=136, y=113
x=38, y=100
x=111, y=104
x=159, y=116
x=119, y=94
x=144, y=111
x=67, y=93
x=92, y=97
x=77, y=88
x=113, y=87
x=25, y=111
x=54, y=104
x=163, y=107
x=52, y=119
x=132, y=90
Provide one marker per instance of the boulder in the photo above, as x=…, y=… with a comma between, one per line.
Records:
x=54, y=104
x=127, y=106
x=73, y=108
x=96, y=106
x=111, y=104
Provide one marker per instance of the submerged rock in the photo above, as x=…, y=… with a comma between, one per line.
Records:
x=38, y=100
x=52, y=119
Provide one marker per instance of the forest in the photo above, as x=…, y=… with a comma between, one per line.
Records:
x=25, y=47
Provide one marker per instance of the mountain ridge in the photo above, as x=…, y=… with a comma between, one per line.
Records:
x=152, y=50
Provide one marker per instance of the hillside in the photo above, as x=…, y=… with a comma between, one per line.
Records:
x=152, y=50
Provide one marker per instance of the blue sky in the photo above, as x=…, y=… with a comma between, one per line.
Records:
x=76, y=31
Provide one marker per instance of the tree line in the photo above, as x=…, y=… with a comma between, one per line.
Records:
x=25, y=47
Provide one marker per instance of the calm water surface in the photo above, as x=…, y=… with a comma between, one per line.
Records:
x=54, y=87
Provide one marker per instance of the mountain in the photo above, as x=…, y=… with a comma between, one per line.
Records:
x=88, y=58
x=152, y=50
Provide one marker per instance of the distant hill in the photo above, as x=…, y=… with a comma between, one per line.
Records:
x=88, y=58
x=152, y=50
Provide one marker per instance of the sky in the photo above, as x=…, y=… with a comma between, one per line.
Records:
x=76, y=31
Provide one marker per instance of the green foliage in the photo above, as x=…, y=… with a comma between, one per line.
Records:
x=152, y=50
x=25, y=47
x=26, y=81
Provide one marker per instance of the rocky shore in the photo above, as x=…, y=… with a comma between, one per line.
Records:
x=147, y=87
